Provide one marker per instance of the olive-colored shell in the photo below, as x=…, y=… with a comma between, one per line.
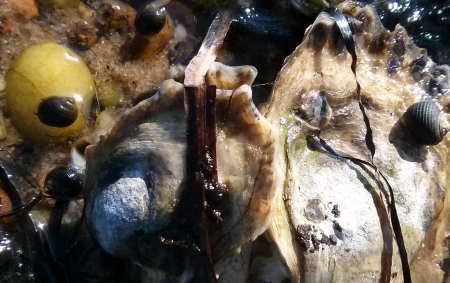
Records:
x=40, y=72
x=58, y=111
x=150, y=21
x=424, y=121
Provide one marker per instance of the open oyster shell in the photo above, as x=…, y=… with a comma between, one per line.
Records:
x=325, y=225
x=327, y=228
x=135, y=178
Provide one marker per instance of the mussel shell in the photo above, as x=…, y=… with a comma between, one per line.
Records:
x=150, y=21
x=63, y=182
x=58, y=111
x=423, y=120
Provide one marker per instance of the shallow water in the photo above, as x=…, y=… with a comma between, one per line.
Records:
x=427, y=23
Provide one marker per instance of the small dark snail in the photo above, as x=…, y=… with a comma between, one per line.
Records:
x=150, y=21
x=154, y=29
x=63, y=182
x=426, y=122
x=58, y=111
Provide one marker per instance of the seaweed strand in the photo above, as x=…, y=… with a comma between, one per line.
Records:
x=346, y=32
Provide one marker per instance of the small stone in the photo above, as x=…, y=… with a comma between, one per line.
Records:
x=333, y=240
x=83, y=34
x=116, y=16
x=27, y=9
x=61, y=3
x=5, y=25
x=336, y=212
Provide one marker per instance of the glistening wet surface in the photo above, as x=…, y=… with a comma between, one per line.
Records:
x=47, y=241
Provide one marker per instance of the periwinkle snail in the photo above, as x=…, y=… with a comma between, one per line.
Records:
x=49, y=92
x=63, y=182
x=426, y=122
x=150, y=21
x=154, y=29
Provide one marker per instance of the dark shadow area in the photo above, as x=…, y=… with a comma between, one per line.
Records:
x=407, y=148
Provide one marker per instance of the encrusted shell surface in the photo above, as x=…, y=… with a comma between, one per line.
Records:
x=347, y=247
x=142, y=170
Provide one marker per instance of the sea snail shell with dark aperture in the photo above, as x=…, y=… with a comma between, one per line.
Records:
x=58, y=111
x=63, y=182
x=150, y=21
x=154, y=29
x=426, y=122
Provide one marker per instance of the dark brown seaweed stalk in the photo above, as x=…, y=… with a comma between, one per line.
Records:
x=201, y=148
x=199, y=101
x=386, y=254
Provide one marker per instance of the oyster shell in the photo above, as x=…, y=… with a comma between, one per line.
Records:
x=136, y=173
x=135, y=178
x=305, y=234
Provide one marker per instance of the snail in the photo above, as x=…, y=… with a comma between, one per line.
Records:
x=63, y=182
x=49, y=92
x=154, y=29
x=58, y=111
x=426, y=122
x=150, y=21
